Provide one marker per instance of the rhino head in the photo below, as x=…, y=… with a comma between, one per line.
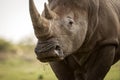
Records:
x=60, y=30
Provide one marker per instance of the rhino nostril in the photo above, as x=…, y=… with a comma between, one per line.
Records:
x=57, y=50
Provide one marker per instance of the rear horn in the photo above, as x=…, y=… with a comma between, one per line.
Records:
x=49, y=14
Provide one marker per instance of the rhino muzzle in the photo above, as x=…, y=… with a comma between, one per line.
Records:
x=48, y=51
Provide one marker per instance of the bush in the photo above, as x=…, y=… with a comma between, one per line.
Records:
x=6, y=46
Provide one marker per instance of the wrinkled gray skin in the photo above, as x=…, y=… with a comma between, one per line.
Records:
x=79, y=38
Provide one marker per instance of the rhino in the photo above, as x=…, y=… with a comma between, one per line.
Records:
x=78, y=38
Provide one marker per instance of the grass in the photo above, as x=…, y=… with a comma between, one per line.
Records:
x=19, y=69
x=114, y=73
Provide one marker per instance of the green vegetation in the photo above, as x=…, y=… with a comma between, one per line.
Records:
x=17, y=69
x=114, y=73
x=18, y=62
x=6, y=46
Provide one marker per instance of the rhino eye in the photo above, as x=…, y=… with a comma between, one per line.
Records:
x=70, y=22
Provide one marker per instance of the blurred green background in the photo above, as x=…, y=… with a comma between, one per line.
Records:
x=18, y=62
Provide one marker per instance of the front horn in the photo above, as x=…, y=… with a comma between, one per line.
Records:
x=40, y=23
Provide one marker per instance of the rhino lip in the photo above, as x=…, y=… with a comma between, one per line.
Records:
x=57, y=55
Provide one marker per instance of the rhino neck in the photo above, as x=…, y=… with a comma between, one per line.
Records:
x=100, y=21
x=93, y=20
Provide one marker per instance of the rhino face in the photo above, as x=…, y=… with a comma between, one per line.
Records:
x=59, y=32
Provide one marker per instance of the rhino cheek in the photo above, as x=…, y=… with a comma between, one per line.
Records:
x=75, y=41
x=66, y=44
x=83, y=31
x=79, y=33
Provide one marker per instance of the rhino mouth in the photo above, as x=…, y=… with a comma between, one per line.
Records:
x=49, y=51
x=51, y=55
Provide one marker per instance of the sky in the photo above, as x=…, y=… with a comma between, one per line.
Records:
x=15, y=22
